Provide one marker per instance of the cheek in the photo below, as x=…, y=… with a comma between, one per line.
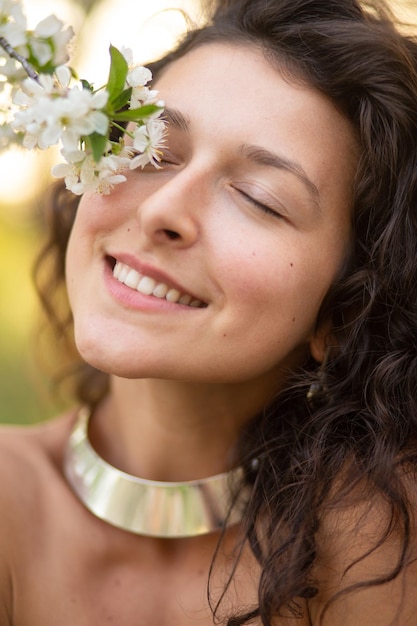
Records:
x=73, y=267
x=281, y=297
x=96, y=217
x=267, y=295
x=81, y=244
x=98, y=213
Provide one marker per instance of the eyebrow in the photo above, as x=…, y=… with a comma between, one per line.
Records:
x=261, y=156
x=256, y=154
x=176, y=118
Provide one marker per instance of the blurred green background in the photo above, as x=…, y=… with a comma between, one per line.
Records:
x=24, y=388
x=20, y=391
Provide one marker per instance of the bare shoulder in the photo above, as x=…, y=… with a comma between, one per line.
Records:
x=30, y=457
x=26, y=452
x=366, y=565
x=30, y=475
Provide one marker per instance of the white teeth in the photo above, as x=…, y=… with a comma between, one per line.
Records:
x=185, y=299
x=124, y=271
x=148, y=286
x=173, y=295
x=160, y=290
x=132, y=279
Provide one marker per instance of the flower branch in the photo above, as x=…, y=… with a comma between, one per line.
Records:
x=50, y=107
x=21, y=59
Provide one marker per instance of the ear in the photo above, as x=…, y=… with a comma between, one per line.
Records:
x=319, y=342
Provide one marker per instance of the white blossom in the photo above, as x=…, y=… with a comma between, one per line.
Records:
x=51, y=108
x=42, y=51
x=48, y=27
x=49, y=33
x=63, y=74
x=138, y=76
x=67, y=116
x=128, y=55
x=148, y=140
x=11, y=12
x=13, y=29
x=14, y=33
x=8, y=137
x=12, y=70
x=142, y=96
x=82, y=174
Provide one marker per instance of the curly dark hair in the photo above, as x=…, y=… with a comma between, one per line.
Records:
x=359, y=429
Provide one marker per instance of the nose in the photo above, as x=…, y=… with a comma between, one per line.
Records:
x=172, y=211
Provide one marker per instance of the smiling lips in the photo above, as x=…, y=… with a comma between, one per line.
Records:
x=150, y=287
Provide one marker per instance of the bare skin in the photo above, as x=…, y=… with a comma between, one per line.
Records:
x=61, y=565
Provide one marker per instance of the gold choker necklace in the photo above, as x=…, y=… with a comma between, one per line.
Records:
x=147, y=507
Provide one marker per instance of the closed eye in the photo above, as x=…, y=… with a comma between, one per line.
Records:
x=259, y=205
x=166, y=159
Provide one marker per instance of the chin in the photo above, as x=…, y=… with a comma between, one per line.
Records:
x=115, y=360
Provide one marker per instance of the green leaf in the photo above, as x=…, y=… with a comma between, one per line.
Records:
x=97, y=144
x=86, y=85
x=117, y=75
x=132, y=115
x=122, y=99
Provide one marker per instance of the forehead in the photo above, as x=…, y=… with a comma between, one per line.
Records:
x=238, y=96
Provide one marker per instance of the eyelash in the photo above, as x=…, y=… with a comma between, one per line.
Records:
x=265, y=208
x=259, y=205
x=168, y=160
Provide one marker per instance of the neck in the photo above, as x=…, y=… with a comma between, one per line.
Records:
x=169, y=510
x=169, y=431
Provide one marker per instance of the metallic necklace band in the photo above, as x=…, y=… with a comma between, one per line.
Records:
x=146, y=507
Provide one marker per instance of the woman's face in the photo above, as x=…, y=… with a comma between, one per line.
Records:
x=247, y=220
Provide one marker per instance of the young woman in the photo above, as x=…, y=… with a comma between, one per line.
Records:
x=246, y=314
